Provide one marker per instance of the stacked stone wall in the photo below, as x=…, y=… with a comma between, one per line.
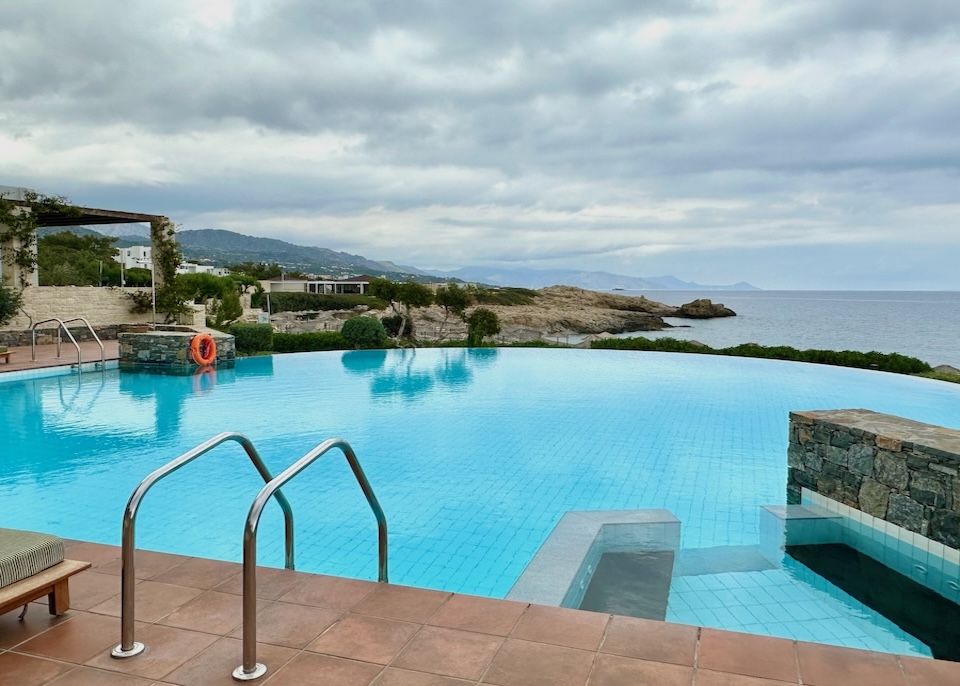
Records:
x=895, y=469
x=99, y=306
x=170, y=349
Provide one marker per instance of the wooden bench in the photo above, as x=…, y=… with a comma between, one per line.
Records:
x=52, y=582
x=6, y=356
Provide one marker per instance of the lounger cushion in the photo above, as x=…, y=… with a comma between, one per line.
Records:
x=24, y=553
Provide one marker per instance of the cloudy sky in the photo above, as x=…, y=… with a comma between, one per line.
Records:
x=811, y=144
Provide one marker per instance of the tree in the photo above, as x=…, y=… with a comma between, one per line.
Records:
x=258, y=270
x=166, y=258
x=480, y=324
x=69, y=259
x=20, y=221
x=452, y=299
x=409, y=294
x=364, y=332
x=11, y=300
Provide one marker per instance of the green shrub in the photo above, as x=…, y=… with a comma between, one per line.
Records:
x=252, y=338
x=364, y=332
x=309, y=342
x=300, y=302
x=885, y=362
x=392, y=325
x=480, y=324
x=11, y=300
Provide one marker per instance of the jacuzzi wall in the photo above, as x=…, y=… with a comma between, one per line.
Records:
x=895, y=469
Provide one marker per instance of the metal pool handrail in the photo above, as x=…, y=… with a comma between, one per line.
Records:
x=103, y=353
x=251, y=669
x=63, y=326
x=128, y=647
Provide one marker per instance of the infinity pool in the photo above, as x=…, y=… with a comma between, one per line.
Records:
x=474, y=454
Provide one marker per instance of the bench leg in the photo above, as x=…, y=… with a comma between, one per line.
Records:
x=59, y=598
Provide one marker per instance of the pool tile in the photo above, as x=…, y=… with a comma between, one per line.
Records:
x=167, y=648
x=215, y=665
x=88, y=676
x=27, y=670
x=449, y=652
x=403, y=677
x=76, y=640
x=90, y=588
x=614, y=670
x=38, y=620
x=272, y=583
x=524, y=663
x=147, y=564
x=706, y=677
x=197, y=572
x=562, y=627
x=365, y=638
x=154, y=601
x=402, y=602
x=336, y=593
x=920, y=672
x=747, y=654
x=646, y=639
x=474, y=613
x=822, y=665
x=96, y=554
x=210, y=612
x=291, y=626
x=304, y=668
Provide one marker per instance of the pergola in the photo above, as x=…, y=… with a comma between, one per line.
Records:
x=77, y=216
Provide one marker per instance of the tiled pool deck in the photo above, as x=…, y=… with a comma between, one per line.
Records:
x=317, y=630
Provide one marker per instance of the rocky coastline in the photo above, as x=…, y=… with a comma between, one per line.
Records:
x=556, y=312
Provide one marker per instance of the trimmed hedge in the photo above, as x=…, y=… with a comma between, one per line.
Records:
x=301, y=302
x=309, y=342
x=252, y=338
x=892, y=362
x=364, y=332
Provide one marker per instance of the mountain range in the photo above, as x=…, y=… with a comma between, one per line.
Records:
x=222, y=247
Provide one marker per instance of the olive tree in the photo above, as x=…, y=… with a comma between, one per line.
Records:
x=408, y=294
x=480, y=324
x=452, y=299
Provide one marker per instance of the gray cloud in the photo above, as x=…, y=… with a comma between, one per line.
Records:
x=603, y=135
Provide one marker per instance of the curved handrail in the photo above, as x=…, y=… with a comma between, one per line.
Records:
x=33, y=340
x=128, y=647
x=251, y=669
x=103, y=352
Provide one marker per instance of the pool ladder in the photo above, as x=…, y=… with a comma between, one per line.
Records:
x=61, y=328
x=250, y=669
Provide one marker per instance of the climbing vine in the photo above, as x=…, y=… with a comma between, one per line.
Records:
x=166, y=258
x=19, y=221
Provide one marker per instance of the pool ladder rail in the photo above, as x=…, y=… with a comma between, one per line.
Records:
x=250, y=669
x=61, y=328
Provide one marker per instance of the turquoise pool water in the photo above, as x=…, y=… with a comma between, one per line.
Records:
x=474, y=455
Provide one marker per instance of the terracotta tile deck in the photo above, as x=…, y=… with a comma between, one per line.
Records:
x=19, y=359
x=317, y=630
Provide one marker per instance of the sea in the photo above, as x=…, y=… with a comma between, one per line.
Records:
x=923, y=324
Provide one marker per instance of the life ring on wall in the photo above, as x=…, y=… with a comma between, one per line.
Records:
x=203, y=349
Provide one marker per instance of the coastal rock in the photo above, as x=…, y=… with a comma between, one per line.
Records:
x=703, y=309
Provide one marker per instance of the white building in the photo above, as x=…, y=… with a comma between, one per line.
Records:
x=192, y=268
x=135, y=257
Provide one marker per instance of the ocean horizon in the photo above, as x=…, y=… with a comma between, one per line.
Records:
x=923, y=324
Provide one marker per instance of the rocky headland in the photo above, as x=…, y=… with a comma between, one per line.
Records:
x=555, y=311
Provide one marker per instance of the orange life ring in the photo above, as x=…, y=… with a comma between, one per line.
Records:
x=203, y=349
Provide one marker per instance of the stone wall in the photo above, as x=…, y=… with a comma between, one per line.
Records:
x=97, y=305
x=170, y=349
x=107, y=309
x=891, y=468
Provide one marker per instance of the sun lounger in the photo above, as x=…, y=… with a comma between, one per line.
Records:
x=32, y=566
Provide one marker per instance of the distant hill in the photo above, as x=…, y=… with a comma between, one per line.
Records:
x=221, y=248
x=227, y=247
x=539, y=278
